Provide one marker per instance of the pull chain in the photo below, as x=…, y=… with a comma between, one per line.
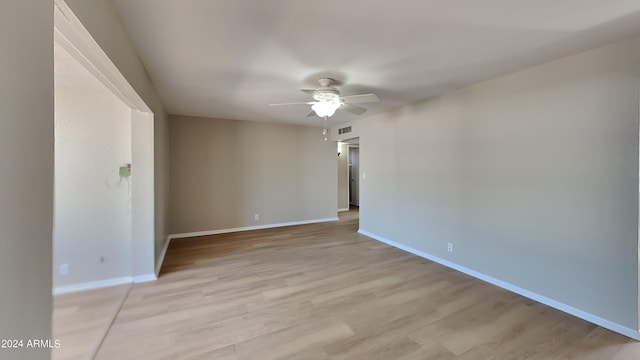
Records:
x=325, y=132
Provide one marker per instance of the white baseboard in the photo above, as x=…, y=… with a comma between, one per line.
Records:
x=634, y=334
x=163, y=253
x=343, y=209
x=247, y=228
x=145, y=278
x=92, y=285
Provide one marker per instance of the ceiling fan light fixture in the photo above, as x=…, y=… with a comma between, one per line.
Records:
x=327, y=99
x=323, y=108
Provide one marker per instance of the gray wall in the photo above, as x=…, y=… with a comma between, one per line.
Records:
x=26, y=179
x=103, y=22
x=225, y=171
x=533, y=176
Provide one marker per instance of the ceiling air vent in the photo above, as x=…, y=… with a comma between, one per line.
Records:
x=344, y=130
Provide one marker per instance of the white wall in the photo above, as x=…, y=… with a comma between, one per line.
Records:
x=92, y=215
x=533, y=176
x=101, y=19
x=142, y=197
x=226, y=171
x=26, y=179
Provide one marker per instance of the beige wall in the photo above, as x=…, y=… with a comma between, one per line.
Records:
x=533, y=176
x=103, y=22
x=225, y=171
x=26, y=178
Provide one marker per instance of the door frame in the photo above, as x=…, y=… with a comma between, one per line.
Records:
x=76, y=39
x=357, y=177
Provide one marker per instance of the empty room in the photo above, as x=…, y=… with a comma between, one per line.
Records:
x=319, y=180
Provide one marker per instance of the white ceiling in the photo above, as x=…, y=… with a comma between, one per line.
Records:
x=231, y=58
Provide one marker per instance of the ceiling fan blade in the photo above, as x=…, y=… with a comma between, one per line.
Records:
x=308, y=91
x=352, y=109
x=352, y=99
x=294, y=103
x=310, y=113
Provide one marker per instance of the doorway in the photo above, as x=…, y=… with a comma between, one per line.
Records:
x=71, y=36
x=104, y=189
x=349, y=181
x=348, y=174
x=354, y=176
x=92, y=198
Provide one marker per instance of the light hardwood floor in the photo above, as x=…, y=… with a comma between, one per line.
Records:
x=322, y=291
x=81, y=320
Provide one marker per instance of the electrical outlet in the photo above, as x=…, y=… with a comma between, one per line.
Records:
x=256, y=217
x=450, y=247
x=64, y=269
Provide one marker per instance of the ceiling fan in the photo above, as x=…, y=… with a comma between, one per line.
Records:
x=327, y=100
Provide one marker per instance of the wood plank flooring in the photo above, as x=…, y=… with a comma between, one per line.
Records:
x=81, y=320
x=322, y=291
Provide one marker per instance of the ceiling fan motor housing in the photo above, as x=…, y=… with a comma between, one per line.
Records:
x=327, y=94
x=326, y=82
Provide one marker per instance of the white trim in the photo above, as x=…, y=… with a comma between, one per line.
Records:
x=634, y=334
x=248, y=228
x=163, y=253
x=144, y=278
x=343, y=209
x=92, y=285
x=76, y=39
x=638, y=239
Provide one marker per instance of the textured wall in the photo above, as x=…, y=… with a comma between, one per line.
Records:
x=225, y=171
x=102, y=20
x=92, y=203
x=533, y=176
